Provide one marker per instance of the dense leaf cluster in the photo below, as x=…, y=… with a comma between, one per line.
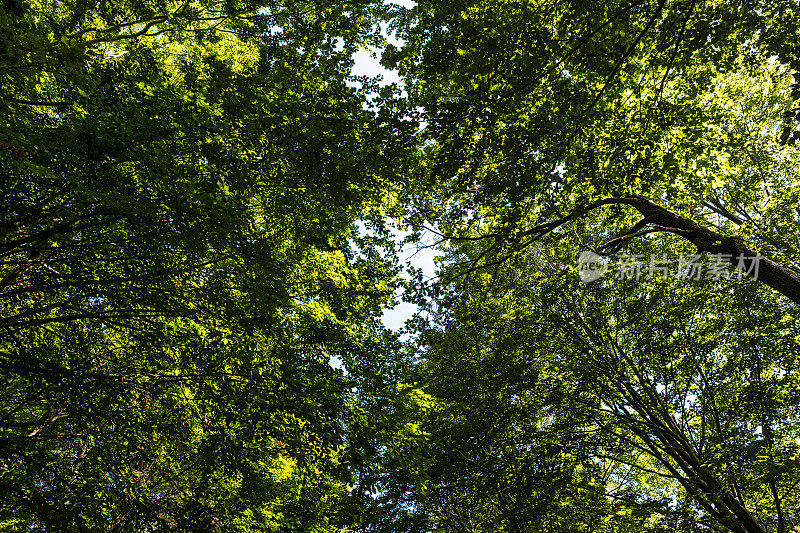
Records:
x=195, y=254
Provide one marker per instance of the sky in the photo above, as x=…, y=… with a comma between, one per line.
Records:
x=422, y=258
x=367, y=63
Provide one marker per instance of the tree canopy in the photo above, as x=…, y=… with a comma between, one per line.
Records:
x=179, y=262
x=653, y=130
x=196, y=221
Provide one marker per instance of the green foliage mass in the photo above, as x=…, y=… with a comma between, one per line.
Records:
x=655, y=404
x=196, y=248
x=180, y=262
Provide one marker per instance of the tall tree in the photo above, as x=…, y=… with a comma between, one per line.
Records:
x=656, y=128
x=639, y=405
x=179, y=264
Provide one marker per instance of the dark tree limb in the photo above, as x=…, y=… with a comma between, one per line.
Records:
x=731, y=249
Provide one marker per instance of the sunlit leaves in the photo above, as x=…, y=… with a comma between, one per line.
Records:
x=183, y=182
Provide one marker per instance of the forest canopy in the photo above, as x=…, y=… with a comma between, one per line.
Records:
x=201, y=212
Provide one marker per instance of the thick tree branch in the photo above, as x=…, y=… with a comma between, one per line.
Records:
x=731, y=249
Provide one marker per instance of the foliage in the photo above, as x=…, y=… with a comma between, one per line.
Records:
x=649, y=405
x=195, y=256
x=179, y=262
